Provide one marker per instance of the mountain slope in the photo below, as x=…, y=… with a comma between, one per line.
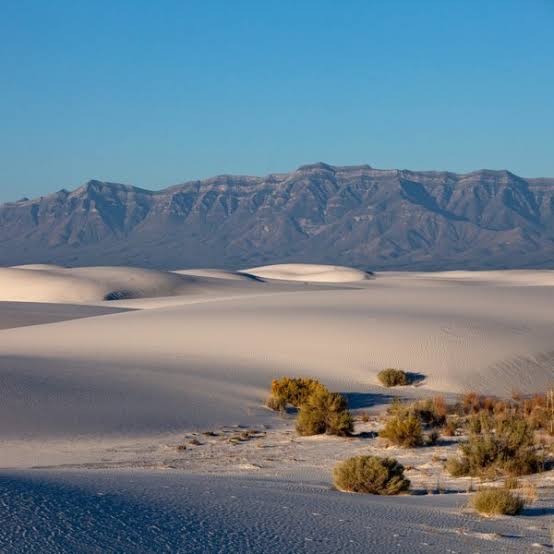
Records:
x=356, y=215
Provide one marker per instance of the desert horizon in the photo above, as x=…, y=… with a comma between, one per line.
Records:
x=276, y=277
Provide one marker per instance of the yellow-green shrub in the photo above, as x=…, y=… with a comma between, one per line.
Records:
x=324, y=412
x=497, y=502
x=371, y=474
x=391, y=377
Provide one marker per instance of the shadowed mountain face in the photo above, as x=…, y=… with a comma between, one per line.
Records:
x=360, y=216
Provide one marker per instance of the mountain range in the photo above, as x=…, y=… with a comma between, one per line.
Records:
x=354, y=215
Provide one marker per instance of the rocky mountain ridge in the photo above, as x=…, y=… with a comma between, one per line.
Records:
x=355, y=215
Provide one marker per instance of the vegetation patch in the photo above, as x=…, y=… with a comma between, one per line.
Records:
x=319, y=410
x=413, y=425
x=292, y=391
x=502, y=445
x=324, y=412
x=403, y=430
x=371, y=475
x=391, y=377
x=493, y=502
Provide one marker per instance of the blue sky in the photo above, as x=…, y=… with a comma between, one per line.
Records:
x=156, y=93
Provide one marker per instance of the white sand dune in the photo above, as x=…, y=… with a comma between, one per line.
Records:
x=520, y=277
x=310, y=273
x=118, y=391
x=38, y=266
x=217, y=274
x=21, y=314
x=211, y=362
x=86, y=285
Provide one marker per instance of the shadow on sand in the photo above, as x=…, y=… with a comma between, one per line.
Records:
x=359, y=400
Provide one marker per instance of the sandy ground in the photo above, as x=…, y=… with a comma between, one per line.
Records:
x=94, y=402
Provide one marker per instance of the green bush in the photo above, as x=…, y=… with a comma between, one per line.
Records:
x=372, y=475
x=393, y=377
x=403, y=429
x=508, y=447
x=293, y=391
x=324, y=412
x=497, y=502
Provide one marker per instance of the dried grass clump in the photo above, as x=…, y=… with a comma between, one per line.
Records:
x=493, y=502
x=393, y=377
x=371, y=475
x=324, y=412
x=538, y=410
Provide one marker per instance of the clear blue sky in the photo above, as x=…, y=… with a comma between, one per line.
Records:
x=153, y=93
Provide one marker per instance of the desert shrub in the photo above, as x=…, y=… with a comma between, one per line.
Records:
x=497, y=502
x=324, y=412
x=403, y=430
x=480, y=422
x=293, y=391
x=431, y=438
x=471, y=402
x=440, y=407
x=508, y=448
x=372, y=475
x=458, y=467
x=275, y=403
x=540, y=411
x=450, y=426
x=393, y=377
x=430, y=412
x=511, y=482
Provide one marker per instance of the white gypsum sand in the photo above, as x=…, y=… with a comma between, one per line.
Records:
x=310, y=273
x=113, y=393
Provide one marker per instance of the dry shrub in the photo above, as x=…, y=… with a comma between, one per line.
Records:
x=505, y=446
x=471, y=402
x=391, y=377
x=451, y=426
x=405, y=423
x=511, y=482
x=291, y=391
x=430, y=412
x=497, y=502
x=403, y=430
x=372, y=475
x=324, y=412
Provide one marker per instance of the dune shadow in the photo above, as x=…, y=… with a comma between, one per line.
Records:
x=252, y=277
x=359, y=400
x=536, y=511
x=432, y=491
x=415, y=379
x=365, y=435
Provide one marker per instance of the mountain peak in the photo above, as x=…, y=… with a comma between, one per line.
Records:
x=316, y=166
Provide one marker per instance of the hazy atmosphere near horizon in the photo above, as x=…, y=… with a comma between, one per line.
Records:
x=276, y=277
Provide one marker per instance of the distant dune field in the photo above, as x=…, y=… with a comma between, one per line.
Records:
x=123, y=392
x=203, y=350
